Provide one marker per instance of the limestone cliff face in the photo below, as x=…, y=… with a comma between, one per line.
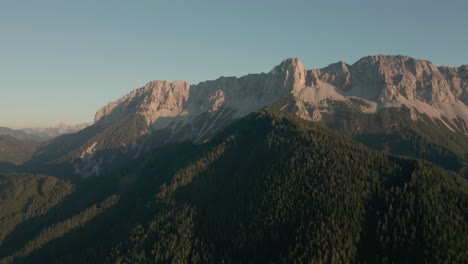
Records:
x=457, y=78
x=179, y=100
x=291, y=74
x=156, y=99
x=399, y=75
x=383, y=81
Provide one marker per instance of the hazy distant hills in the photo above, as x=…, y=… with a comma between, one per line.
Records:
x=17, y=133
x=42, y=134
x=19, y=145
x=51, y=132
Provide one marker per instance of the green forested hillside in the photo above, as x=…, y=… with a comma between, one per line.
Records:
x=26, y=196
x=269, y=188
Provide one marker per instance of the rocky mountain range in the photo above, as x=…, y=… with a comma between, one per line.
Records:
x=379, y=81
x=162, y=112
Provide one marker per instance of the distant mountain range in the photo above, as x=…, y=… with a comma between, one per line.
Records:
x=47, y=133
x=42, y=134
x=19, y=145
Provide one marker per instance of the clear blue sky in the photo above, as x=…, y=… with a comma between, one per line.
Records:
x=63, y=60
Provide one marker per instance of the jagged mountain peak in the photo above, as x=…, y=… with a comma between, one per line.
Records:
x=291, y=73
x=292, y=62
x=338, y=74
x=340, y=65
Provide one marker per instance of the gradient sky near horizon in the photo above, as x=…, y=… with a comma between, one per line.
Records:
x=60, y=61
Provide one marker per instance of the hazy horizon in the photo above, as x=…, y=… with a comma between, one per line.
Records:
x=62, y=61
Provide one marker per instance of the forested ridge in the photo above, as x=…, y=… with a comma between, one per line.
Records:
x=269, y=188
